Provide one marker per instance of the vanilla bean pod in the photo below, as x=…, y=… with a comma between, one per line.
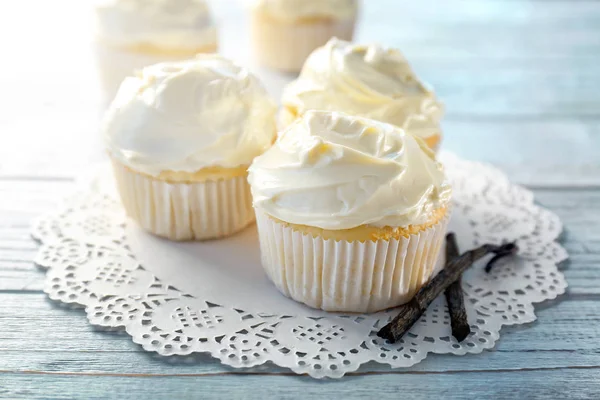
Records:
x=509, y=249
x=455, y=297
x=411, y=311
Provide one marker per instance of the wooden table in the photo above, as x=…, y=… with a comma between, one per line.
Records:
x=521, y=81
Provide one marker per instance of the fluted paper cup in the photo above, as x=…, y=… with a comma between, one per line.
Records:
x=348, y=276
x=285, y=45
x=185, y=211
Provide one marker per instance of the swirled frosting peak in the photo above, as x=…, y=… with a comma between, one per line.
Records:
x=166, y=24
x=369, y=81
x=335, y=171
x=297, y=9
x=188, y=115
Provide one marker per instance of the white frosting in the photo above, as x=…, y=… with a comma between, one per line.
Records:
x=335, y=171
x=167, y=24
x=295, y=9
x=368, y=81
x=188, y=115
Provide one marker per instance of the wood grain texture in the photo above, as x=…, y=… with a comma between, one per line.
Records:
x=565, y=335
x=574, y=383
x=501, y=30
x=521, y=84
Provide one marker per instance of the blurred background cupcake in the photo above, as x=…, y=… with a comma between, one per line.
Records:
x=285, y=32
x=131, y=34
x=365, y=80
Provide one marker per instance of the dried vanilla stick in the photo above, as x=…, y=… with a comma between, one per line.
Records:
x=455, y=297
x=412, y=311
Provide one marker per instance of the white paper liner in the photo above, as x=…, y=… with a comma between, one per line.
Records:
x=114, y=64
x=348, y=276
x=286, y=45
x=186, y=211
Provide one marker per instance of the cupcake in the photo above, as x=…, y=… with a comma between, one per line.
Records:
x=285, y=32
x=132, y=34
x=181, y=136
x=351, y=212
x=367, y=81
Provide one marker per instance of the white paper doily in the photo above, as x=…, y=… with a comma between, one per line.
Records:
x=180, y=298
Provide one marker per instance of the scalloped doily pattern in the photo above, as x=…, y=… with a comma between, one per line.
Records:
x=90, y=263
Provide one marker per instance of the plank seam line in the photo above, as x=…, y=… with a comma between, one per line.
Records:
x=34, y=178
x=117, y=336
x=564, y=187
x=229, y=373
x=563, y=298
x=21, y=291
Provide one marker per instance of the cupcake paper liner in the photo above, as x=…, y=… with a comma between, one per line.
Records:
x=185, y=211
x=286, y=45
x=348, y=276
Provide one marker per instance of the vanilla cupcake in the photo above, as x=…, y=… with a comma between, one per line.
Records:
x=132, y=34
x=351, y=212
x=368, y=81
x=285, y=32
x=181, y=136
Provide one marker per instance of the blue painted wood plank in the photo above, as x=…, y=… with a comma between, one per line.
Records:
x=534, y=384
x=38, y=335
x=517, y=77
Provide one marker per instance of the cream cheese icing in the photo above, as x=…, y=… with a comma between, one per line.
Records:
x=369, y=81
x=188, y=115
x=335, y=171
x=295, y=9
x=168, y=24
